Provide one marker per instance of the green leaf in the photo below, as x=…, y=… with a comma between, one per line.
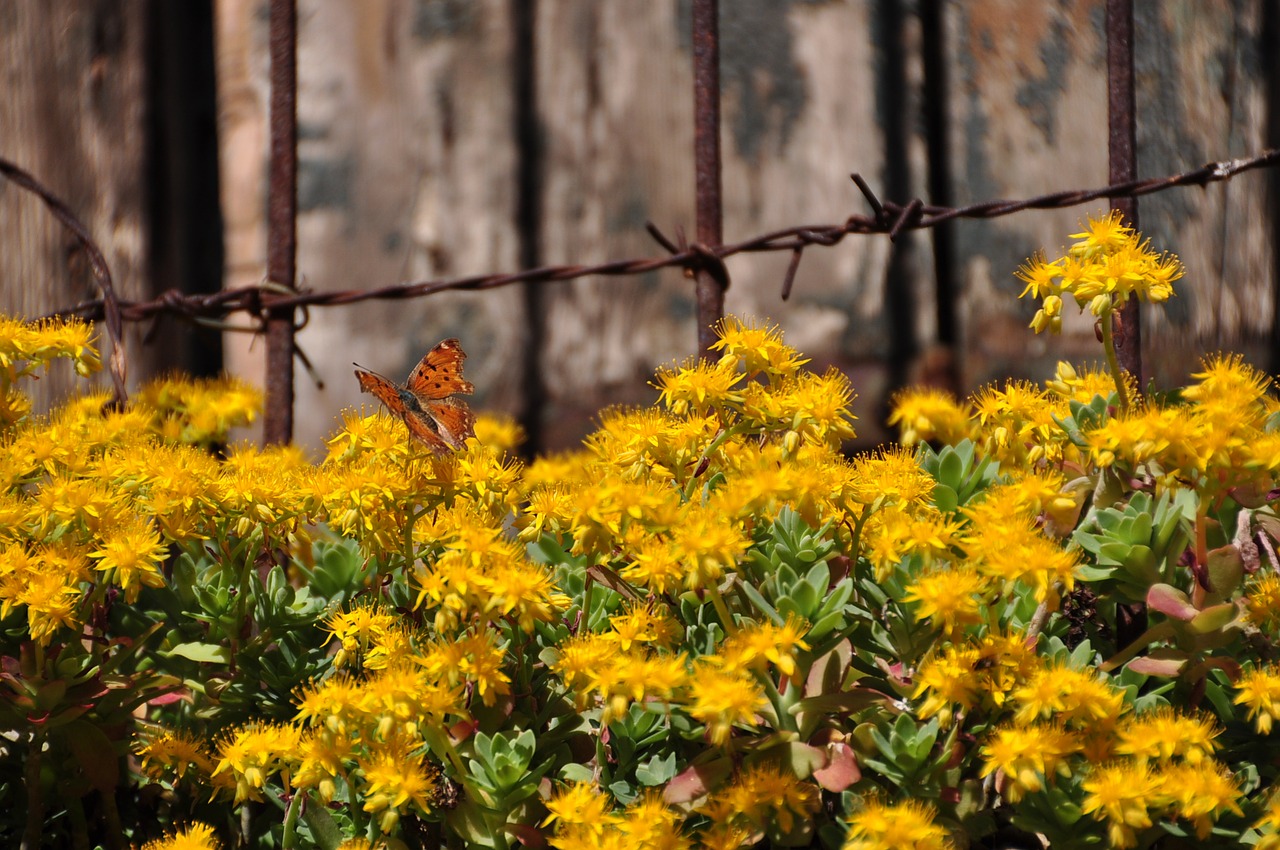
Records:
x=945, y=498
x=323, y=828
x=204, y=653
x=657, y=770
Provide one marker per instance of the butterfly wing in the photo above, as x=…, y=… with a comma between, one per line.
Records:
x=386, y=391
x=454, y=420
x=439, y=373
x=424, y=430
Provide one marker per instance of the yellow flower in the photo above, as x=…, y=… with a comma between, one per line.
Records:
x=1200, y=792
x=254, y=753
x=1069, y=696
x=1269, y=825
x=581, y=806
x=1083, y=385
x=131, y=555
x=1259, y=689
x=924, y=414
x=948, y=679
x=500, y=431
x=397, y=779
x=723, y=698
x=1121, y=794
x=357, y=630
x=475, y=659
x=641, y=625
x=651, y=824
x=754, y=646
x=197, y=836
x=1108, y=265
x=895, y=533
x=1262, y=599
x=1028, y=756
x=951, y=596
x=881, y=825
x=755, y=348
x=1162, y=734
x=699, y=387
x=763, y=794
x=173, y=751
x=891, y=476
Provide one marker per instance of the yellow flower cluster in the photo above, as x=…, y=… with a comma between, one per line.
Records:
x=25, y=348
x=677, y=491
x=1134, y=766
x=1106, y=266
x=759, y=796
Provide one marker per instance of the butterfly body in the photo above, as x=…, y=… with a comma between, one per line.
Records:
x=423, y=402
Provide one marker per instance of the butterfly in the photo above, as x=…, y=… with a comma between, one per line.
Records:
x=423, y=403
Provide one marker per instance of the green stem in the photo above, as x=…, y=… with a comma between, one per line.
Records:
x=785, y=720
x=1113, y=363
x=716, y=442
x=291, y=820
x=730, y=627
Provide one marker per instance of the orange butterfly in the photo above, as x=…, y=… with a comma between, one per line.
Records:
x=423, y=403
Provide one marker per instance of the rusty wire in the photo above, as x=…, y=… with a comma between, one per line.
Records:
x=888, y=218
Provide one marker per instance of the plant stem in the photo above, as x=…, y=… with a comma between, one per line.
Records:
x=288, y=839
x=35, y=799
x=1113, y=363
x=730, y=627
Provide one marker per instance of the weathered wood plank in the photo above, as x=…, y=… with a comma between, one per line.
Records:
x=72, y=93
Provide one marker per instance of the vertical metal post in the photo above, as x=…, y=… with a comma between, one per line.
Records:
x=282, y=214
x=937, y=123
x=528, y=134
x=1131, y=620
x=706, y=146
x=1123, y=158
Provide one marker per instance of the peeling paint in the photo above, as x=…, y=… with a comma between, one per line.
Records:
x=1038, y=95
x=324, y=183
x=434, y=20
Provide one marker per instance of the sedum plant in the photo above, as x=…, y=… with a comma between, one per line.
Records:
x=1046, y=619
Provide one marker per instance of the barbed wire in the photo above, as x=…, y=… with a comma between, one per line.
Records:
x=887, y=218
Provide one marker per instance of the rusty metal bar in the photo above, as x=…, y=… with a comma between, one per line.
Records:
x=706, y=147
x=282, y=217
x=1123, y=159
x=937, y=121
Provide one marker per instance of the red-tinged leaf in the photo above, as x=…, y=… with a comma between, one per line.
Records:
x=1167, y=667
x=529, y=836
x=841, y=769
x=463, y=729
x=696, y=781
x=1171, y=602
x=170, y=698
x=827, y=673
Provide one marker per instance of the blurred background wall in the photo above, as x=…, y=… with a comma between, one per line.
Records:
x=442, y=138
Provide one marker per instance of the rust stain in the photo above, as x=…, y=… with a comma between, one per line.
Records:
x=1013, y=32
